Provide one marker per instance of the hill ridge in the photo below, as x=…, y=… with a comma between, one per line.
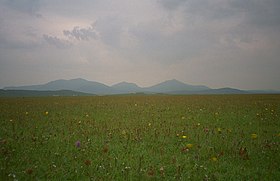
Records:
x=172, y=86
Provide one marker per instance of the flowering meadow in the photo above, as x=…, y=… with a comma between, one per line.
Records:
x=140, y=137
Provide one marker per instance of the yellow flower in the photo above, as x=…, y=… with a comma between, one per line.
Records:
x=219, y=130
x=46, y=112
x=214, y=159
x=184, y=137
x=189, y=146
x=254, y=136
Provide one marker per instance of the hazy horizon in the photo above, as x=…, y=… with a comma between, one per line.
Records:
x=216, y=43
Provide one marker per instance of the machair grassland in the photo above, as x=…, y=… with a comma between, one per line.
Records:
x=157, y=137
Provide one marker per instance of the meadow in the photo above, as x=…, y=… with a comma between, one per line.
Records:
x=140, y=137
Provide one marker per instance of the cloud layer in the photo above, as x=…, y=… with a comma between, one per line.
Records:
x=213, y=42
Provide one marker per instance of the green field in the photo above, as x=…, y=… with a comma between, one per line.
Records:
x=233, y=137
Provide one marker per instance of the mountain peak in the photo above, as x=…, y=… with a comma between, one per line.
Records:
x=127, y=87
x=78, y=79
x=174, y=85
x=173, y=81
x=124, y=83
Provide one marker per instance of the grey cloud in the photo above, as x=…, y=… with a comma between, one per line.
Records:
x=239, y=20
x=168, y=50
x=260, y=13
x=26, y=6
x=110, y=30
x=81, y=33
x=13, y=43
x=210, y=9
x=59, y=43
x=172, y=4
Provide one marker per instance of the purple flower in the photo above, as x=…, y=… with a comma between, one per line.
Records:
x=78, y=144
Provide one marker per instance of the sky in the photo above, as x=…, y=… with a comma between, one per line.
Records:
x=217, y=43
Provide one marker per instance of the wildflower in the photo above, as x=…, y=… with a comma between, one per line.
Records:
x=243, y=153
x=184, y=136
x=221, y=154
x=78, y=144
x=254, y=136
x=105, y=149
x=46, y=113
x=185, y=149
x=214, y=159
x=29, y=171
x=151, y=172
x=173, y=160
x=149, y=124
x=219, y=130
x=189, y=146
x=26, y=113
x=198, y=124
x=161, y=171
x=87, y=162
x=12, y=175
x=126, y=168
x=3, y=141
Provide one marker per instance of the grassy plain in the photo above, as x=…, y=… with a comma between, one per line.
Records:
x=233, y=137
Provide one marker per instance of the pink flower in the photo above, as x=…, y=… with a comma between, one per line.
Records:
x=78, y=144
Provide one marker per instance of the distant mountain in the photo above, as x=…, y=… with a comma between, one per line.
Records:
x=80, y=86
x=224, y=91
x=126, y=87
x=264, y=91
x=173, y=86
x=35, y=93
x=212, y=91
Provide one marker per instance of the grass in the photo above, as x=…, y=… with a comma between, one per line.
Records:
x=234, y=137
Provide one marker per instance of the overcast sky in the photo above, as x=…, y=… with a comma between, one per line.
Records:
x=218, y=43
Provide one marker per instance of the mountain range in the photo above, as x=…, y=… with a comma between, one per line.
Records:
x=84, y=87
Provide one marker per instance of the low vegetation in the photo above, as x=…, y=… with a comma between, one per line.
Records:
x=234, y=137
